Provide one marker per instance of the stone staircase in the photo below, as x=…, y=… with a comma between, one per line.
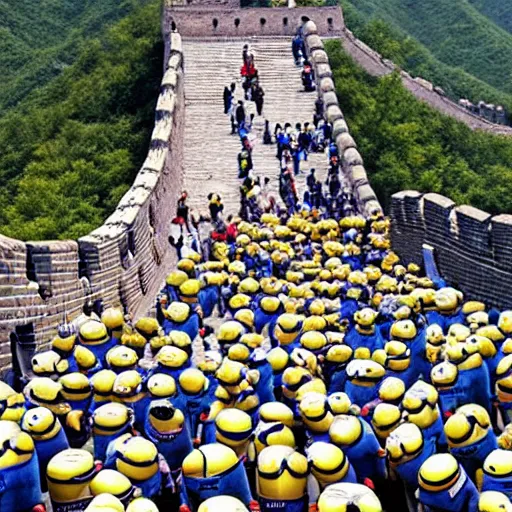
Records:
x=210, y=162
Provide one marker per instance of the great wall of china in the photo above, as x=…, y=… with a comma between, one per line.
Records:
x=126, y=259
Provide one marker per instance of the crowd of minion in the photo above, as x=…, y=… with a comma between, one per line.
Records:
x=338, y=380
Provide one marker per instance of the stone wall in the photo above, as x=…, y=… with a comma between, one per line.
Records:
x=352, y=162
x=210, y=21
x=473, y=249
x=125, y=260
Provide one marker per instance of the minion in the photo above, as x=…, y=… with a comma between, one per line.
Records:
x=396, y=359
x=49, y=364
x=221, y=504
x=391, y=391
x=229, y=334
x=172, y=361
x=64, y=345
x=172, y=283
x=363, y=379
x=503, y=386
x=272, y=412
x=48, y=436
x=213, y=470
x=470, y=438
x=364, y=338
x=44, y=392
x=497, y=472
x=282, y=479
x=246, y=317
x=12, y=404
x=130, y=389
x=359, y=443
x=268, y=309
x=162, y=386
x=122, y=358
x=180, y=316
x=434, y=346
x=113, y=319
x=271, y=434
x=316, y=415
x=444, y=485
x=493, y=501
x=328, y=465
x=448, y=311
x=279, y=360
x=94, y=336
x=209, y=294
x=102, y=384
x=166, y=428
x=385, y=420
x=262, y=375
x=105, y=503
x=87, y=361
x=287, y=331
x=407, y=451
x=110, y=421
x=194, y=392
x=335, y=365
x=420, y=407
x=136, y=458
x=209, y=365
x=239, y=301
x=114, y=483
x=76, y=390
x=19, y=472
x=348, y=496
x=142, y=505
x=69, y=474
x=444, y=377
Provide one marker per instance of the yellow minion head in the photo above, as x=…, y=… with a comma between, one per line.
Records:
x=239, y=352
x=105, y=502
x=293, y=379
x=193, y=381
x=498, y=464
x=128, y=385
x=386, y=418
x=313, y=341
x=93, y=333
x=448, y=299
x=492, y=332
x=246, y=317
x=75, y=386
x=209, y=460
x=64, y=345
x=176, y=278
x=505, y=322
x=403, y=330
x=398, y=356
x=346, y=430
x=278, y=359
x=444, y=375
x=233, y=427
x=189, y=291
x=114, y=483
x=187, y=265
x=343, y=497
x=392, y=390
x=339, y=403
x=230, y=333
x=172, y=357
x=85, y=358
x=164, y=418
x=476, y=320
x=178, y=312
x=328, y=463
x=271, y=434
x=239, y=301
x=435, y=335
x=40, y=423
x=373, y=274
x=404, y=444
x=420, y=404
x=339, y=354
x=222, y=504
x=49, y=364
x=315, y=412
x=272, y=412
x=365, y=317
x=181, y=340
x=161, y=385
x=357, y=278
x=120, y=358
x=288, y=328
x=365, y=372
x=467, y=426
x=494, y=501
x=439, y=472
x=136, y=458
x=113, y=319
x=45, y=392
x=231, y=374
x=12, y=404
x=252, y=340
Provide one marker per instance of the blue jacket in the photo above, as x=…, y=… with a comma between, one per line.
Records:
x=361, y=395
x=265, y=386
x=190, y=326
x=445, y=321
x=460, y=497
x=409, y=470
x=354, y=339
x=477, y=386
x=46, y=449
x=436, y=431
x=208, y=298
x=500, y=484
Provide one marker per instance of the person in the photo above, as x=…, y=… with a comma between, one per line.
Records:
x=319, y=111
x=257, y=96
x=216, y=207
x=298, y=49
x=240, y=115
x=244, y=163
x=311, y=180
x=176, y=238
x=232, y=229
x=182, y=209
x=267, y=136
x=228, y=98
x=308, y=77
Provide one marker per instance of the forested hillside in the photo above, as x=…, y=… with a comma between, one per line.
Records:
x=499, y=11
x=406, y=144
x=454, y=31
x=71, y=148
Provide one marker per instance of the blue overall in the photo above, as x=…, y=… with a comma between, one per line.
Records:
x=436, y=431
x=354, y=339
x=361, y=395
x=100, y=351
x=336, y=377
x=265, y=386
x=190, y=326
x=268, y=505
x=150, y=487
x=445, y=321
x=20, y=489
x=81, y=405
x=193, y=406
x=477, y=386
x=472, y=457
x=209, y=297
x=173, y=447
x=450, y=399
x=353, y=261
x=364, y=455
x=261, y=319
x=408, y=471
x=101, y=442
x=348, y=308
x=408, y=376
x=501, y=484
x=46, y=449
x=232, y=482
x=461, y=497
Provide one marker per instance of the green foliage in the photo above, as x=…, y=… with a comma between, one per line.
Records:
x=454, y=31
x=407, y=145
x=71, y=149
x=499, y=11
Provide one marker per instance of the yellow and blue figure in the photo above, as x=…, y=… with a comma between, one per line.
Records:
x=406, y=451
x=396, y=359
x=64, y=345
x=209, y=295
x=48, y=436
x=213, y=470
x=364, y=337
x=180, y=316
x=69, y=474
x=444, y=485
x=94, y=336
x=282, y=479
x=420, y=407
x=105, y=502
x=110, y=421
x=493, y=501
x=221, y=504
x=76, y=390
x=49, y=364
x=86, y=360
x=166, y=428
x=195, y=398
x=230, y=333
x=316, y=416
x=335, y=365
x=435, y=344
x=363, y=379
x=122, y=358
x=473, y=373
x=359, y=443
x=471, y=438
x=287, y=331
x=272, y=434
x=19, y=470
x=346, y=496
x=267, y=309
x=172, y=361
x=261, y=375
x=503, y=386
x=111, y=482
x=391, y=391
x=113, y=319
x=497, y=472
x=239, y=301
x=137, y=459
x=209, y=365
x=448, y=308
x=444, y=377
x=172, y=284
x=130, y=389
x=12, y=404
x=279, y=360
x=44, y=392
x=293, y=379
x=385, y=420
